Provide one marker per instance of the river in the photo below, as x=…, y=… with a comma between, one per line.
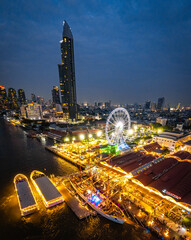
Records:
x=20, y=154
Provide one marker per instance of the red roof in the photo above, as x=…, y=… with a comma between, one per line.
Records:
x=151, y=147
x=183, y=155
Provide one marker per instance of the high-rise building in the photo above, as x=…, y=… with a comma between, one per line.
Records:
x=147, y=105
x=153, y=106
x=108, y=105
x=21, y=96
x=31, y=111
x=55, y=95
x=160, y=104
x=40, y=100
x=67, y=73
x=33, y=97
x=3, y=99
x=12, y=96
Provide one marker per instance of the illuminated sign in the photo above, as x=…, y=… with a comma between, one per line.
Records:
x=170, y=194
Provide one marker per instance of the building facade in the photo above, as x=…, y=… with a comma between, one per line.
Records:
x=67, y=73
x=12, y=96
x=21, y=96
x=3, y=99
x=31, y=111
x=160, y=105
x=55, y=95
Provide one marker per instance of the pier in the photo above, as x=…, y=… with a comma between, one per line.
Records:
x=80, y=211
x=65, y=157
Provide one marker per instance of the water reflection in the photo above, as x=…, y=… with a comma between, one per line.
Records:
x=20, y=154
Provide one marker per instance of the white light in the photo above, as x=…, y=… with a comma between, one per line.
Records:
x=73, y=138
x=90, y=135
x=135, y=127
x=99, y=134
x=120, y=125
x=66, y=139
x=82, y=137
x=130, y=131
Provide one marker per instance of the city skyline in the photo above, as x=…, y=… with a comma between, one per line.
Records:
x=150, y=47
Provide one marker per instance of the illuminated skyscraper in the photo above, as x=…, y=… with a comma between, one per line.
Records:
x=67, y=73
x=12, y=96
x=55, y=95
x=21, y=96
x=3, y=99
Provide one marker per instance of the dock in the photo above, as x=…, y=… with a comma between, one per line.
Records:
x=65, y=157
x=75, y=205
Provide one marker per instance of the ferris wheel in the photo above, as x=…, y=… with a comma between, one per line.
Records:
x=117, y=126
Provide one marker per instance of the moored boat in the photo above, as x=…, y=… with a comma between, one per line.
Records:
x=27, y=203
x=49, y=193
x=111, y=212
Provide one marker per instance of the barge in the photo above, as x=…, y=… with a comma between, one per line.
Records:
x=27, y=203
x=49, y=193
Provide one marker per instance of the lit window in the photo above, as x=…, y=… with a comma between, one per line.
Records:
x=64, y=39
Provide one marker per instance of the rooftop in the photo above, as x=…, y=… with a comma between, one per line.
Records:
x=25, y=195
x=47, y=188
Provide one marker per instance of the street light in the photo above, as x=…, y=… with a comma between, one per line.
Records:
x=82, y=137
x=99, y=133
x=90, y=135
x=66, y=139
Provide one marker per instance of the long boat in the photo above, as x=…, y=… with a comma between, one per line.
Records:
x=119, y=218
x=49, y=193
x=27, y=203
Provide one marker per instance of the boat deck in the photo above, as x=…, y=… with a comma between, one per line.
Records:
x=80, y=211
x=48, y=191
x=25, y=195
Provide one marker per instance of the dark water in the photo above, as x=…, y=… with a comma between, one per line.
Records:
x=19, y=154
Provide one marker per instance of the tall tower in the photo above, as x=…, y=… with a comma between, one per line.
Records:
x=21, y=96
x=12, y=98
x=67, y=73
x=3, y=99
x=161, y=102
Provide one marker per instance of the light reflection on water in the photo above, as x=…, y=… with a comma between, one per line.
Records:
x=20, y=154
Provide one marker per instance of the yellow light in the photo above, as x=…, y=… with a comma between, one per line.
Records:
x=66, y=139
x=99, y=133
x=159, y=130
x=90, y=135
x=82, y=137
x=130, y=131
x=135, y=127
x=73, y=138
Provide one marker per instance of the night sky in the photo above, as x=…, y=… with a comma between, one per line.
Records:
x=126, y=51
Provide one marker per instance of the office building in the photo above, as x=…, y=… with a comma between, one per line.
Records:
x=31, y=111
x=12, y=97
x=21, y=96
x=33, y=97
x=67, y=73
x=55, y=95
x=3, y=99
x=161, y=102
